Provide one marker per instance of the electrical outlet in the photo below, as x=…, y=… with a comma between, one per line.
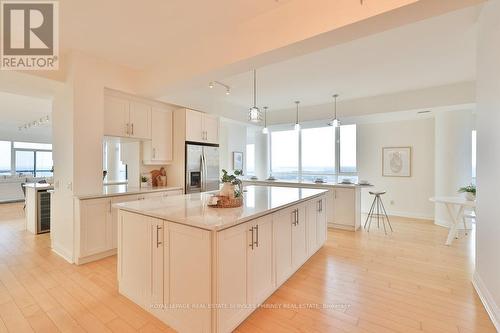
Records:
x=392, y=202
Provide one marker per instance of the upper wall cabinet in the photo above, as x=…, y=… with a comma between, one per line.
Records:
x=201, y=127
x=125, y=118
x=160, y=149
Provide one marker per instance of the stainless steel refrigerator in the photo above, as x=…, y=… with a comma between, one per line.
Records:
x=202, y=168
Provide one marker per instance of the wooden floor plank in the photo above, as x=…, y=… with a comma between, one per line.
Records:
x=361, y=282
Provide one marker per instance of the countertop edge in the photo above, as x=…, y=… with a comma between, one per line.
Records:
x=219, y=228
x=141, y=191
x=311, y=185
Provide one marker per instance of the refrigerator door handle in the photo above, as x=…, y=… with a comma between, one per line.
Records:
x=205, y=172
x=202, y=173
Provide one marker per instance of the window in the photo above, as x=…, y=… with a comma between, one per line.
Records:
x=474, y=154
x=29, y=158
x=33, y=145
x=43, y=160
x=5, y=158
x=25, y=162
x=285, y=154
x=348, y=149
x=250, y=161
x=318, y=153
x=323, y=152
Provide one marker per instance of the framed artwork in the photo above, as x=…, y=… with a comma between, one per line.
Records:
x=396, y=161
x=237, y=160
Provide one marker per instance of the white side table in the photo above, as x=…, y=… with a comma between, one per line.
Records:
x=455, y=215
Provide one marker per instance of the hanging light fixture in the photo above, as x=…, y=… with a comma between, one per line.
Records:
x=297, y=125
x=335, y=122
x=265, y=130
x=254, y=114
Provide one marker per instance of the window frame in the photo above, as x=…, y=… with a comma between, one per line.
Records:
x=316, y=124
x=13, y=158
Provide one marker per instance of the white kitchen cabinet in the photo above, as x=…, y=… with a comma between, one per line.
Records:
x=260, y=261
x=211, y=128
x=160, y=149
x=126, y=118
x=97, y=220
x=140, y=120
x=201, y=127
x=155, y=291
x=114, y=217
x=283, y=222
x=316, y=228
x=346, y=210
x=321, y=222
x=299, y=237
x=194, y=126
x=95, y=226
x=116, y=116
x=244, y=269
x=172, y=264
x=187, y=274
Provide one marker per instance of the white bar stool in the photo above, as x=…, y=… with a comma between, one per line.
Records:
x=377, y=210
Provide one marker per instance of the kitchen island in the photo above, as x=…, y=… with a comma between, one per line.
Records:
x=344, y=200
x=203, y=269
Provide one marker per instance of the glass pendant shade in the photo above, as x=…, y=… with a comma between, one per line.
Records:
x=297, y=127
x=265, y=130
x=254, y=114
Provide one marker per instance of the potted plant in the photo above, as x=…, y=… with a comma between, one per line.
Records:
x=470, y=192
x=144, y=181
x=229, y=184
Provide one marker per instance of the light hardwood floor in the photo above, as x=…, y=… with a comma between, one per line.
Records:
x=407, y=282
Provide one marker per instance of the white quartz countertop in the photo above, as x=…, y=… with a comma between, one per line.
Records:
x=38, y=186
x=117, y=190
x=301, y=183
x=192, y=209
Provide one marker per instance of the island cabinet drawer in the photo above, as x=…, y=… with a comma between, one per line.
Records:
x=245, y=273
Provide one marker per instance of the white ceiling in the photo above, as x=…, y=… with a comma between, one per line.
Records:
x=17, y=110
x=142, y=33
x=432, y=52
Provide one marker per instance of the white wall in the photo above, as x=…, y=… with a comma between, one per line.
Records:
x=487, y=276
x=453, y=156
x=406, y=196
x=233, y=137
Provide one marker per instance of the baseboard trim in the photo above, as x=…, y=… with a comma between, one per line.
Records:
x=94, y=257
x=487, y=300
x=445, y=224
x=62, y=253
x=406, y=215
x=341, y=226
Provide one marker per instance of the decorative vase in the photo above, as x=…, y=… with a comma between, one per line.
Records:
x=227, y=190
x=470, y=196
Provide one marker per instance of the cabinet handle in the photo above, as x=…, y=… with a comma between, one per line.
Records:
x=127, y=128
x=158, y=243
x=154, y=152
x=297, y=214
x=251, y=243
x=132, y=128
x=257, y=236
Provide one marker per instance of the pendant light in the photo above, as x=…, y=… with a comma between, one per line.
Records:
x=265, y=130
x=254, y=114
x=297, y=125
x=335, y=122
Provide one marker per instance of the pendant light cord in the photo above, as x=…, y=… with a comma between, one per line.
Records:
x=254, y=88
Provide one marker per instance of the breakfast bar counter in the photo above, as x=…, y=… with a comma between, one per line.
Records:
x=205, y=269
